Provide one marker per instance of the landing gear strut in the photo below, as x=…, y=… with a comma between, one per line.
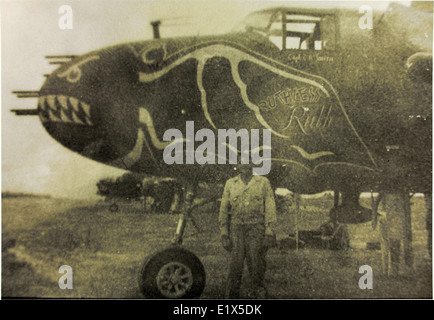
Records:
x=396, y=233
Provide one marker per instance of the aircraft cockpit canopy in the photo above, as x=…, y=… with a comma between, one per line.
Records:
x=292, y=30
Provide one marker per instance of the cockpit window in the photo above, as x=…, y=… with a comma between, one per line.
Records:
x=256, y=21
x=290, y=31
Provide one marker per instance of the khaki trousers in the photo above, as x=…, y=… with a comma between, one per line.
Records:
x=248, y=240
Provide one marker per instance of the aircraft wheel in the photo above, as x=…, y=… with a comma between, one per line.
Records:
x=173, y=273
x=114, y=207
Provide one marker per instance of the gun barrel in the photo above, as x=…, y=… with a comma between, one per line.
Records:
x=26, y=93
x=25, y=112
x=61, y=57
x=58, y=62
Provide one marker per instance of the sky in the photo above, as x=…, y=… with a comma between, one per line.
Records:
x=32, y=161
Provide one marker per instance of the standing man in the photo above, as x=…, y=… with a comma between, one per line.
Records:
x=247, y=212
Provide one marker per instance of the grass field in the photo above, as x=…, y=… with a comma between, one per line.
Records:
x=106, y=249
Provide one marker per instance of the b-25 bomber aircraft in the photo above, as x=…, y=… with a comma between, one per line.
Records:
x=348, y=108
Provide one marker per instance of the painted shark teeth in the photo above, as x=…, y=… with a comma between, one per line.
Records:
x=53, y=117
x=52, y=102
x=64, y=117
x=86, y=108
x=41, y=103
x=60, y=108
x=76, y=119
x=74, y=102
x=63, y=102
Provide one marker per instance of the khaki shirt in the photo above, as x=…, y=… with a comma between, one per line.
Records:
x=247, y=204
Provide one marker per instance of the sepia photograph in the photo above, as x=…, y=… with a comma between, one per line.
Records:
x=214, y=150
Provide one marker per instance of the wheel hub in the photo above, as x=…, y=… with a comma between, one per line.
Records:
x=174, y=279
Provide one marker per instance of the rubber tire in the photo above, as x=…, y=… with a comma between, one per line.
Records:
x=153, y=264
x=114, y=207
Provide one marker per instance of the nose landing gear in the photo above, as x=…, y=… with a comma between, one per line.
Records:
x=174, y=273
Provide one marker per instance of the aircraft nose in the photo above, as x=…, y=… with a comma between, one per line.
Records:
x=82, y=105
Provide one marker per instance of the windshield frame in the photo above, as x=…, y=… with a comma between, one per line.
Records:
x=270, y=17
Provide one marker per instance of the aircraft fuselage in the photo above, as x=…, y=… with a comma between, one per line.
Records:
x=343, y=118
